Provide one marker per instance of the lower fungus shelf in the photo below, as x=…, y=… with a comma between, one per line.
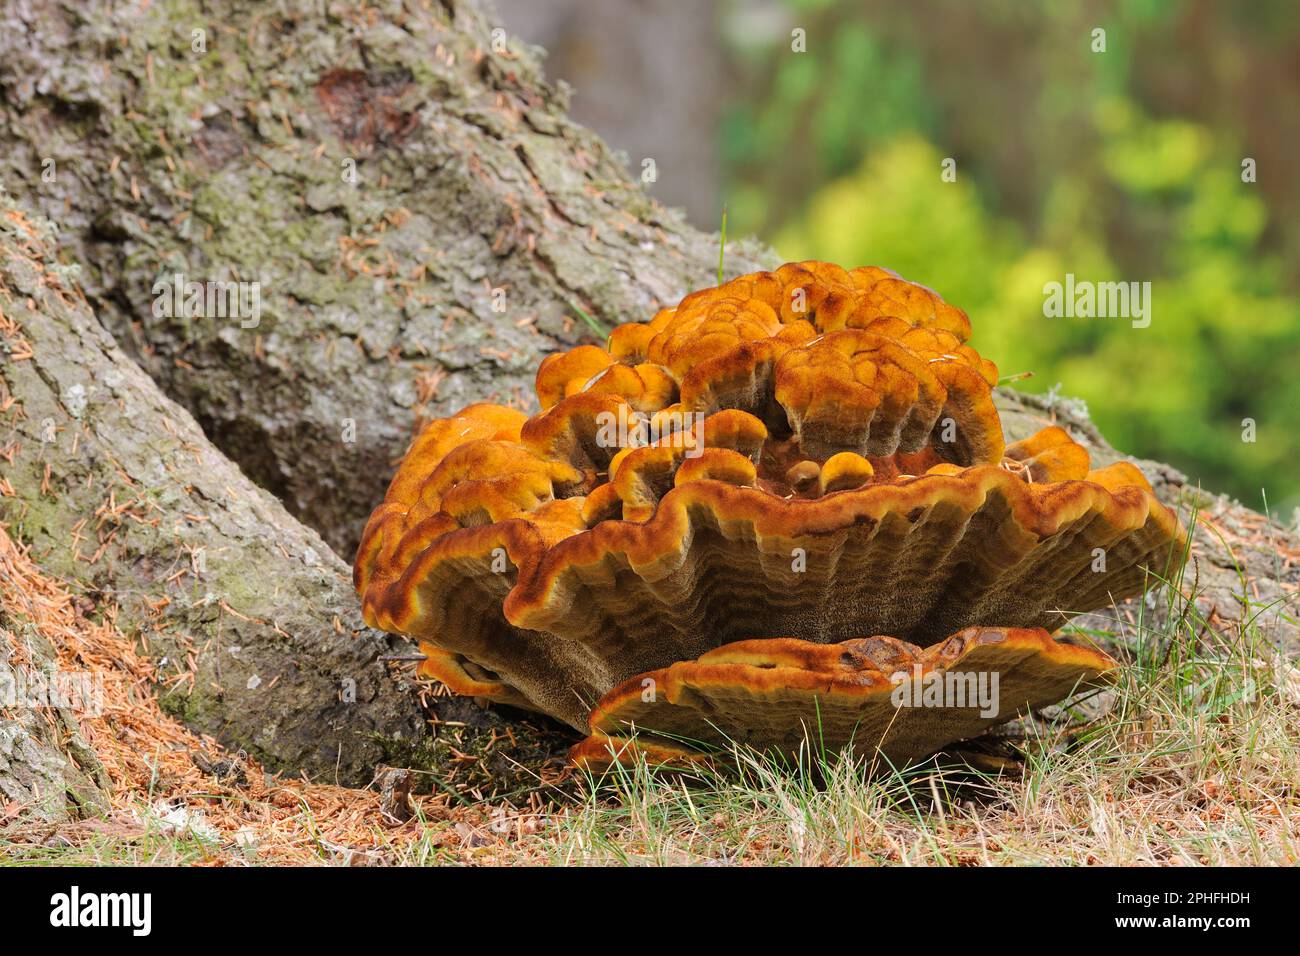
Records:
x=871, y=695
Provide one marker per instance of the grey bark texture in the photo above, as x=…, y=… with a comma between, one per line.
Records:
x=421, y=215
x=250, y=616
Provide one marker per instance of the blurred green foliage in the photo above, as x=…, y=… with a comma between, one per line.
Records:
x=1068, y=161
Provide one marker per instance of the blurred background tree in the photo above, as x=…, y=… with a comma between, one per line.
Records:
x=1117, y=165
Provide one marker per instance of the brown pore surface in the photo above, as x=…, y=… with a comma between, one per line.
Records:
x=852, y=480
x=784, y=695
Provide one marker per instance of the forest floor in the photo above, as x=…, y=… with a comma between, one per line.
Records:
x=1191, y=758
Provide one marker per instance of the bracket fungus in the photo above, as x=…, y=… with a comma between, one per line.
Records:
x=728, y=497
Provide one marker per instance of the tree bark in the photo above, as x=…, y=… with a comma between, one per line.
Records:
x=478, y=223
x=251, y=617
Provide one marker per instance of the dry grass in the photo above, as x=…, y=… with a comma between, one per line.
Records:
x=1190, y=759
